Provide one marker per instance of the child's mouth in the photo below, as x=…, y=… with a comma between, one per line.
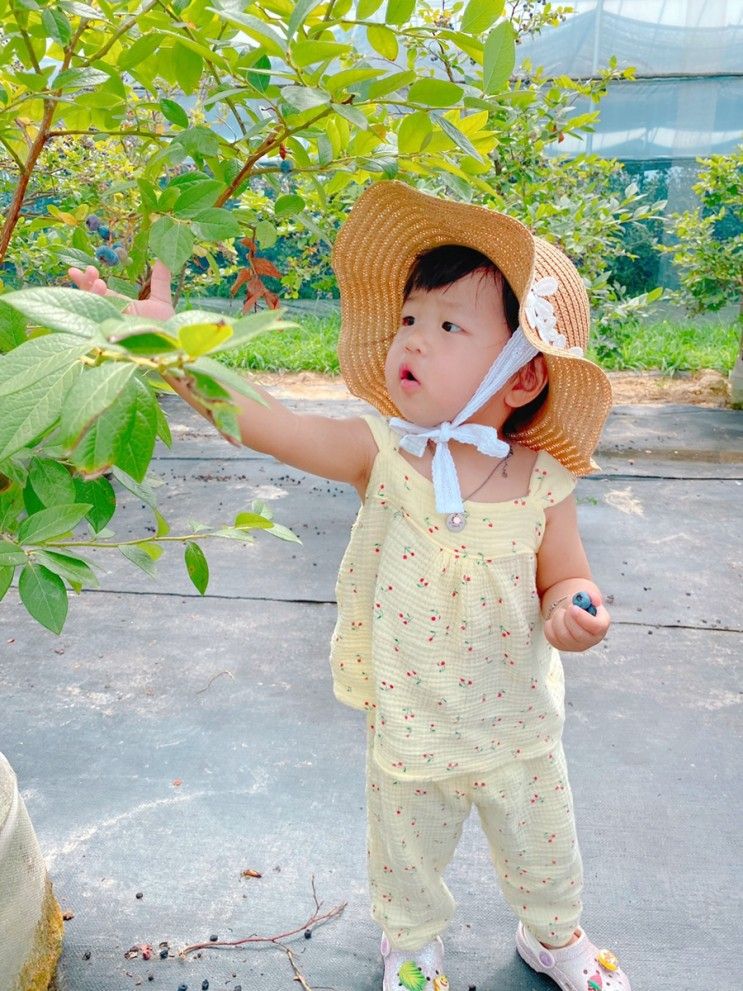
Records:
x=407, y=378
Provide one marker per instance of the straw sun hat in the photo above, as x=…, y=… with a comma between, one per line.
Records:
x=389, y=226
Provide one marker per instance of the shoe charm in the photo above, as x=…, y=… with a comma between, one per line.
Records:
x=411, y=977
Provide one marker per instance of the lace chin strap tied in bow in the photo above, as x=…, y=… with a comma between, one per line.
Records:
x=517, y=352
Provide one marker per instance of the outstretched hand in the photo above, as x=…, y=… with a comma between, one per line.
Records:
x=159, y=305
x=573, y=629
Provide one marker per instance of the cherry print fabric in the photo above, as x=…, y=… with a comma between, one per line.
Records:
x=440, y=634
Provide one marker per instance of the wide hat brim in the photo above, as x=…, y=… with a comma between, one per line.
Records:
x=390, y=225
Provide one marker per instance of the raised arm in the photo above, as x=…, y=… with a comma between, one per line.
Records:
x=563, y=570
x=343, y=450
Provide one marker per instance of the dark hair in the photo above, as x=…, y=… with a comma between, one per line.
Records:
x=451, y=262
x=447, y=264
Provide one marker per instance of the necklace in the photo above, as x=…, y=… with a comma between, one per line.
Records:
x=456, y=522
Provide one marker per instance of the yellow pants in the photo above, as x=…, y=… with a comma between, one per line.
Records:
x=526, y=812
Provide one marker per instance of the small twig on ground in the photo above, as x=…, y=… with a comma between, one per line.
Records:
x=312, y=923
x=298, y=975
x=214, y=678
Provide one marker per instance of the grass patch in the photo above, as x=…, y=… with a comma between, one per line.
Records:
x=668, y=346
x=674, y=346
x=310, y=347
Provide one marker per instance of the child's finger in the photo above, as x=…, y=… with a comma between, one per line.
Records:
x=160, y=282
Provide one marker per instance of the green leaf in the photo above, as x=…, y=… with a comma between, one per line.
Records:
x=453, y=132
x=352, y=114
x=197, y=196
x=97, y=448
x=100, y=494
x=56, y=25
x=12, y=328
x=347, y=78
x=435, y=93
x=252, y=521
x=142, y=492
x=479, y=15
x=132, y=55
x=135, y=444
x=82, y=10
x=140, y=557
x=67, y=310
x=148, y=344
x=309, y=52
x=10, y=553
x=93, y=393
x=39, y=376
x=216, y=224
x=391, y=84
x=198, y=339
x=163, y=527
x=288, y=206
x=188, y=66
x=51, y=482
x=266, y=234
x=260, y=80
x=171, y=242
x=73, y=569
x=383, y=40
x=365, y=8
x=302, y=8
x=198, y=142
x=44, y=596
x=6, y=577
x=226, y=376
x=197, y=567
x=414, y=132
x=174, y=112
x=253, y=26
x=399, y=11
x=71, y=79
x=304, y=97
x=283, y=533
x=499, y=58
x=163, y=428
x=50, y=523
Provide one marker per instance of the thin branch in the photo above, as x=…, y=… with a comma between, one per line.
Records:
x=27, y=41
x=18, y=161
x=117, y=34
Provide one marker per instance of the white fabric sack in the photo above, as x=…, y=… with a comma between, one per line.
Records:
x=30, y=920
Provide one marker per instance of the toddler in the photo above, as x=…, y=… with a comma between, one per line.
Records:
x=466, y=333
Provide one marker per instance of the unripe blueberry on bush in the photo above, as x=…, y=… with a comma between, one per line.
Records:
x=92, y=222
x=286, y=165
x=121, y=253
x=107, y=255
x=104, y=232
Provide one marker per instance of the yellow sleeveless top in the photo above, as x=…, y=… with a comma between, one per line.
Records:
x=440, y=634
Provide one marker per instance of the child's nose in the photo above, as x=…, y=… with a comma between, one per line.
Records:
x=415, y=337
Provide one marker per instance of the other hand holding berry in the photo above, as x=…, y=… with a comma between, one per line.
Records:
x=575, y=629
x=159, y=305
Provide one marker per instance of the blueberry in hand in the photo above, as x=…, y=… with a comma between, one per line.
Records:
x=583, y=601
x=107, y=255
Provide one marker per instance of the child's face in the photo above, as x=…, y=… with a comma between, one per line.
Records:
x=447, y=341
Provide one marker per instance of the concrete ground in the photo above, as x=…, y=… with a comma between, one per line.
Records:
x=165, y=743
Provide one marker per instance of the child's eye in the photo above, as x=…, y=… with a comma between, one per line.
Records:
x=407, y=321
x=451, y=328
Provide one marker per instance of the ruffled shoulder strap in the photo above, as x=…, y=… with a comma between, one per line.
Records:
x=384, y=436
x=550, y=481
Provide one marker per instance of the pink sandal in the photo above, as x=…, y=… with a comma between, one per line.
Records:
x=578, y=967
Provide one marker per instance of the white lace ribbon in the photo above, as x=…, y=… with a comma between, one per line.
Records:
x=517, y=352
x=542, y=317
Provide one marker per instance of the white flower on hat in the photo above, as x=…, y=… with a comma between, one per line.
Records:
x=541, y=314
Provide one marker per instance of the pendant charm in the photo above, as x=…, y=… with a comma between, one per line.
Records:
x=456, y=522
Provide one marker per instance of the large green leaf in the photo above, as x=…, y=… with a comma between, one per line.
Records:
x=479, y=15
x=44, y=596
x=141, y=49
x=414, y=132
x=51, y=482
x=216, y=224
x=66, y=310
x=174, y=112
x=39, y=376
x=6, y=577
x=499, y=58
x=136, y=442
x=137, y=555
x=93, y=393
x=254, y=27
x=12, y=328
x=309, y=52
x=197, y=196
x=453, y=132
x=50, y=523
x=435, y=93
x=102, y=498
x=172, y=242
x=302, y=8
x=304, y=97
x=97, y=448
x=10, y=553
x=200, y=339
x=76, y=571
x=227, y=377
x=197, y=566
x=383, y=40
x=399, y=11
x=72, y=79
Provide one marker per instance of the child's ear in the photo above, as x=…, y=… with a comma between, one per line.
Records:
x=527, y=383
